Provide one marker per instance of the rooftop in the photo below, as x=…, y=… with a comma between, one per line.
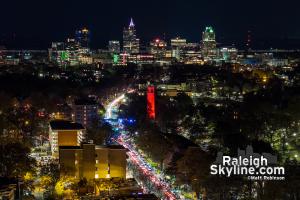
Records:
x=65, y=125
x=110, y=146
x=86, y=101
x=69, y=147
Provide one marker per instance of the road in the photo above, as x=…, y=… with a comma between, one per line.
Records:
x=135, y=157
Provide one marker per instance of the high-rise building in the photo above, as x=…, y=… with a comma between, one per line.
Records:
x=158, y=48
x=83, y=37
x=229, y=54
x=57, y=53
x=64, y=133
x=72, y=52
x=209, y=43
x=178, y=43
x=92, y=162
x=177, y=46
x=114, y=46
x=131, y=44
x=86, y=112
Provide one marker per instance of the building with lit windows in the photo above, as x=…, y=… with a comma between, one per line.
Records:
x=158, y=48
x=131, y=44
x=110, y=162
x=209, y=45
x=92, y=162
x=83, y=37
x=114, y=47
x=64, y=133
x=57, y=53
x=178, y=43
x=177, y=47
x=86, y=111
x=141, y=59
x=229, y=54
x=72, y=52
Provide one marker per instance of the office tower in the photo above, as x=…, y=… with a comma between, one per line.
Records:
x=86, y=111
x=93, y=162
x=114, y=47
x=209, y=43
x=131, y=44
x=66, y=54
x=177, y=47
x=158, y=48
x=64, y=133
x=72, y=52
x=229, y=54
x=57, y=53
x=178, y=43
x=83, y=37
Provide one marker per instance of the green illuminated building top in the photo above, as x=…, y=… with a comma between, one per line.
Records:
x=209, y=29
x=116, y=58
x=64, y=55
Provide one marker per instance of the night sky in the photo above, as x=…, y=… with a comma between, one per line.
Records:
x=35, y=23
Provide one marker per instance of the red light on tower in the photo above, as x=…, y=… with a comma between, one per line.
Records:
x=151, y=102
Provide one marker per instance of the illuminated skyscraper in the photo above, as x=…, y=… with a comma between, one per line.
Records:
x=177, y=46
x=83, y=37
x=178, y=43
x=72, y=52
x=57, y=53
x=158, y=48
x=209, y=43
x=131, y=44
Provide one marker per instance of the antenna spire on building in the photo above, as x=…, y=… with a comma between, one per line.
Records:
x=131, y=23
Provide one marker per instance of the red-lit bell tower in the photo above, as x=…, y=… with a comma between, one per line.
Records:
x=151, y=102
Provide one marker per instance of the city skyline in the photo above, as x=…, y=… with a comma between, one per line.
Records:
x=231, y=20
x=150, y=100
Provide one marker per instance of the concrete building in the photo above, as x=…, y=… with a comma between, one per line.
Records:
x=93, y=162
x=64, y=133
x=86, y=111
x=158, y=48
x=114, y=46
x=110, y=162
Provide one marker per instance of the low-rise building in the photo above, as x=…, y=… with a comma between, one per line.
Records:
x=86, y=111
x=92, y=162
x=64, y=133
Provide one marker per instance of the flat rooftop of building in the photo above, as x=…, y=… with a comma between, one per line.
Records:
x=69, y=147
x=85, y=101
x=65, y=125
x=111, y=146
x=96, y=146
